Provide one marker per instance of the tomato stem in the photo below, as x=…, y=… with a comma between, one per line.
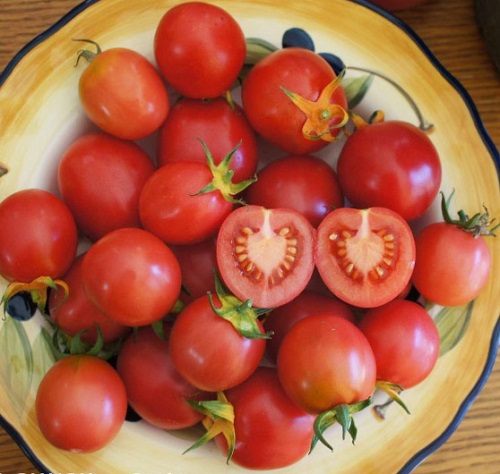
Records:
x=85, y=53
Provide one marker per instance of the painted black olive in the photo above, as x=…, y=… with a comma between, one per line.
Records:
x=298, y=38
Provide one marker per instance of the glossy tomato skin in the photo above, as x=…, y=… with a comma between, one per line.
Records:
x=38, y=236
x=452, y=266
x=199, y=49
x=405, y=342
x=155, y=390
x=325, y=361
x=208, y=351
x=390, y=164
x=271, y=431
x=304, y=183
x=123, y=94
x=99, y=171
x=131, y=276
x=271, y=112
x=365, y=256
x=81, y=404
x=266, y=255
x=169, y=208
x=220, y=125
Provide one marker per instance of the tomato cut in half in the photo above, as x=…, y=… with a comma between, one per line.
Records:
x=365, y=256
x=266, y=255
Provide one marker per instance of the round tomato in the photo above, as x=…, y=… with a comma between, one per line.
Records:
x=200, y=49
x=266, y=255
x=390, y=164
x=365, y=256
x=325, y=361
x=99, y=171
x=131, y=276
x=301, y=182
x=220, y=125
x=405, y=341
x=123, y=93
x=81, y=404
x=38, y=236
x=273, y=96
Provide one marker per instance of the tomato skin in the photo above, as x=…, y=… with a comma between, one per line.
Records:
x=155, y=389
x=271, y=431
x=99, y=171
x=304, y=183
x=119, y=84
x=266, y=255
x=220, y=125
x=325, y=361
x=208, y=351
x=199, y=49
x=270, y=112
x=405, y=341
x=169, y=208
x=81, y=404
x=390, y=164
x=38, y=236
x=452, y=266
x=131, y=276
x=365, y=256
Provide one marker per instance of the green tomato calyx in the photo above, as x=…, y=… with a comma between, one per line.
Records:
x=89, y=56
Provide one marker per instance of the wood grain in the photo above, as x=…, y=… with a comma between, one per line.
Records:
x=449, y=29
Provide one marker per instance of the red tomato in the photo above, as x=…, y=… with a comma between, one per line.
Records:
x=208, y=351
x=390, y=164
x=405, y=341
x=271, y=111
x=200, y=49
x=77, y=313
x=271, y=431
x=155, y=389
x=266, y=255
x=81, y=404
x=170, y=208
x=38, y=236
x=325, y=361
x=301, y=182
x=452, y=266
x=365, y=257
x=123, y=94
x=280, y=320
x=99, y=171
x=131, y=276
x=220, y=125
x=398, y=5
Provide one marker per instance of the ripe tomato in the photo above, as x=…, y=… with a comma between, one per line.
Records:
x=271, y=111
x=265, y=255
x=325, y=361
x=131, y=276
x=404, y=339
x=220, y=125
x=365, y=257
x=200, y=49
x=99, y=171
x=38, y=236
x=155, y=389
x=123, y=93
x=390, y=164
x=271, y=431
x=301, y=182
x=81, y=404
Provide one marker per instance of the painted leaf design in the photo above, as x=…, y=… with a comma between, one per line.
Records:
x=356, y=88
x=43, y=359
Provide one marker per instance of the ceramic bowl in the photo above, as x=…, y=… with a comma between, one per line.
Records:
x=41, y=115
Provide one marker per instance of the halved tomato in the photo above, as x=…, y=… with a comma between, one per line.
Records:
x=266, y=255
x=365, y=256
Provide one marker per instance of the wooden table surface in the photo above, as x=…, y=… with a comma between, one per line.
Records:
x=449, y=29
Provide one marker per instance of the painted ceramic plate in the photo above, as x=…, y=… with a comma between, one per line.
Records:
x=41, y=115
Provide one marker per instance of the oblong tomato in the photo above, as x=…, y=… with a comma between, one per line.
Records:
x=365, y=256
x=266, y=255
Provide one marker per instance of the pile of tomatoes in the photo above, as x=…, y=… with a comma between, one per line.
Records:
x=265, y=298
